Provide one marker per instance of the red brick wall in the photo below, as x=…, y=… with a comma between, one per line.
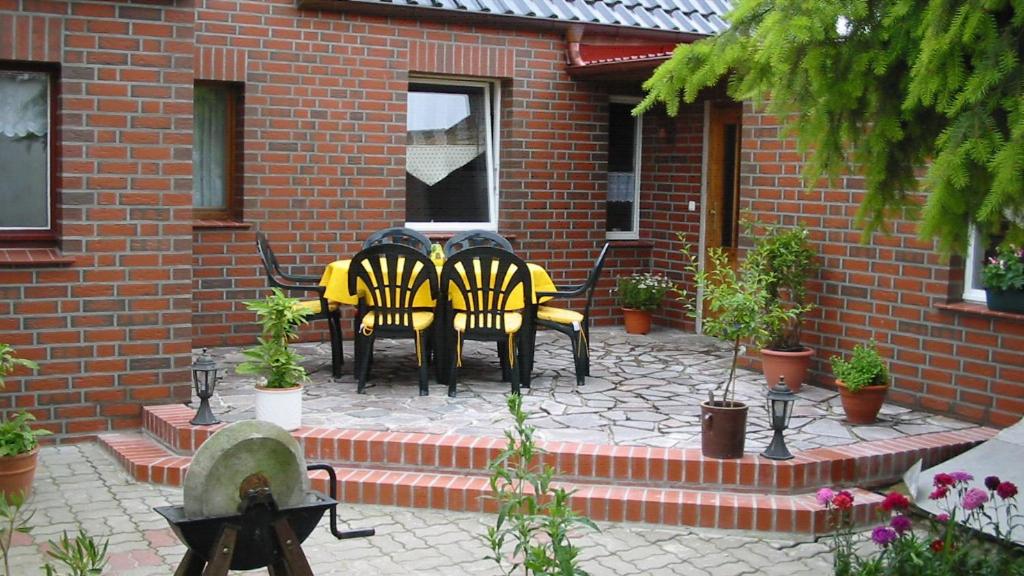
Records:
x=110, y=331
x=892, y=288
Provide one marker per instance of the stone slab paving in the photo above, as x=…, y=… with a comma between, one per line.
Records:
x=81, y=486
x=643, y=390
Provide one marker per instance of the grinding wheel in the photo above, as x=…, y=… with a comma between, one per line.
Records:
x=238, y=455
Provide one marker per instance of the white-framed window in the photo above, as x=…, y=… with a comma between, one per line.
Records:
x=622, y=220
x=26, y=153
x=974, y=290
x=451, y=155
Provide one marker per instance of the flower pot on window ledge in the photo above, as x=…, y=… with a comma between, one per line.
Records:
x=1005, y=300
x=637, y=321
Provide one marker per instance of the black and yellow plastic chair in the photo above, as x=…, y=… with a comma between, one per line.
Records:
x=488, y=296
x=474, y=239
x=388, y=278
x=320, y=308
x=575, y=325
x=403, y=236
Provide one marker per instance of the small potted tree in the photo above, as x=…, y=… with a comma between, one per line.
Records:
x=737, y=308
x=863, y=381
x=279, y=396
x=786, y=258
x=639, y=295
x=19, y=444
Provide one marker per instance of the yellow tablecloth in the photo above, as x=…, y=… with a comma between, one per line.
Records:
x=335, y=281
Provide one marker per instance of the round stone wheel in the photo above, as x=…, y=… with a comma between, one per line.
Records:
x=236, y=452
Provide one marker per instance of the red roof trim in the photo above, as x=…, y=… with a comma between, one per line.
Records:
x=610, y=54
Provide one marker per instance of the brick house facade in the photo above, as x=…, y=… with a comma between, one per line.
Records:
x=113, y=308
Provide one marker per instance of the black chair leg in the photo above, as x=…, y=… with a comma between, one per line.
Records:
x=363, y=361
x=453, y=366
x=577, y=355
x=506, y=375
x=337, y=353
x=516, y=346
x=529, y=339
x=424, y=363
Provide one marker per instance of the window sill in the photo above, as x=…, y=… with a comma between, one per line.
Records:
x=978, y=310
x=34, y=258
x=630, y=243
x=219, y=224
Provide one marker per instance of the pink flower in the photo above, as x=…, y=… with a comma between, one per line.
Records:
x=900, y=523
x=843, y=500
x=942, y=479
x=825, y=496
x=961, y=476
x=939, y=493
x=895, y=501
x=943, y=518
x=974, y=499
x=883, y=536
x=1006, y=490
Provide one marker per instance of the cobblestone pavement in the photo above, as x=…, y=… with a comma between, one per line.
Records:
x=643, y=390
x=81, y=486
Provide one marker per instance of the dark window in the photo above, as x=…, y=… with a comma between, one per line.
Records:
x=622, y=169
x=27, y=154
x=216, y=151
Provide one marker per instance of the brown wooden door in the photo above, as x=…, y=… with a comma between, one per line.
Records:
x=721, y=206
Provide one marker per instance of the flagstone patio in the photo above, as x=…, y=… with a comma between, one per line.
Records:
x=643, y=390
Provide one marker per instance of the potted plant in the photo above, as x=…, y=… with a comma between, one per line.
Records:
x=737, y=308
x=639, y=295
x=19, y=444
x=863, y=381
x=1003, y=277
x=279, y=396
x=785, y=256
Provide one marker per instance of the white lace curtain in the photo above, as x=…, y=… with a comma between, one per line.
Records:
x=24, y=109
x=209, y=147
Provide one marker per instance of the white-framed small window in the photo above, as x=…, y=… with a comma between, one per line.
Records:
x=451, y=155
x=974, y=290
x=622, y=220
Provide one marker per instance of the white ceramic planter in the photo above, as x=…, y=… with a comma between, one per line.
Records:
x=281, y=406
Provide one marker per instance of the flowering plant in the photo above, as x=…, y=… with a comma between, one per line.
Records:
x=946, y=548
x=643, y=291
x=1005, y=270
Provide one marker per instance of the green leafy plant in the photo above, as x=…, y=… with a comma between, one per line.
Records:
x=643, y=291
x=83, y=556
x=1005, y=270
x=737, y=305
x=9, y=362
x=786, y=257
x=864, y=368
x=14, y=518
x=17, y=436
x=531, y=512
x=280, y=318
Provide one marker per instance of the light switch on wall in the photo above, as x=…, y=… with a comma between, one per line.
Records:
x=692, y=206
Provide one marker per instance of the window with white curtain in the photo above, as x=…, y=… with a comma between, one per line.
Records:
x=623, y=200
x=215, y=177
x=25, y=153
x=450, y=156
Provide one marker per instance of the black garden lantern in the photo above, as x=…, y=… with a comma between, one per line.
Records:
x=780, y=410
x=204, y=379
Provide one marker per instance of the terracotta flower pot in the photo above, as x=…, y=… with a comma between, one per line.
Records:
x=17, y=473
x=723, y=429
x=637, y=321
x=790, y=365
x=862, y=406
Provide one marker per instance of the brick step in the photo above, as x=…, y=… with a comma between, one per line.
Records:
x=148, y=461
x=864, y=464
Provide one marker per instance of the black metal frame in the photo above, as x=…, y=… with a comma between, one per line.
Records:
x=299, y=283
x=474, y=239
x=580, y=354
x=403, y=236
x=391, y=297
x=486, y=322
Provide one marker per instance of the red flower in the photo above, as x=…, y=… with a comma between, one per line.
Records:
x=895, y=501
x=939, y=493
x=942, y=479
x=937, y=546
x=1006, y=490
x=843, y=500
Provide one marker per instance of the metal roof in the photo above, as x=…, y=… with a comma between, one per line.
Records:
x=703, y=17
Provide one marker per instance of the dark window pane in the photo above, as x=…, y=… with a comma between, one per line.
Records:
x=24, y=150
x=621, y=171
x=210, y=174
x=446, y=154
x=729, y=186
